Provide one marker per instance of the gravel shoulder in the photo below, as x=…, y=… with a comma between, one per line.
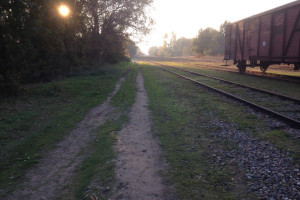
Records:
x=51, y=177
x=139, y=161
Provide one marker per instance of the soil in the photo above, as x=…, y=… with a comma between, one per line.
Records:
x=139, y=160
x=51, y=177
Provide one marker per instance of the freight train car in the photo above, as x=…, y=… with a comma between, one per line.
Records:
x=271, y=37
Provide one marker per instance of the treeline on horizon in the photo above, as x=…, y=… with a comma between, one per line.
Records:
x=208, y=41
x=38, y=44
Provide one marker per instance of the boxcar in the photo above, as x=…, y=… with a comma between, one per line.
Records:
x=271, y=37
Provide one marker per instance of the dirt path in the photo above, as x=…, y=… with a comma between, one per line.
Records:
x=50, y=179
x=139, y=158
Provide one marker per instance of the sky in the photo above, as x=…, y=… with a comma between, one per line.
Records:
x=186, y=17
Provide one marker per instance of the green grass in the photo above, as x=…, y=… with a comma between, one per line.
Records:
x=183, y=115
x=126, y=96
x=248, y=121
x=34, y=122
x=179, y=113
x=96, y=176
x=285, y=141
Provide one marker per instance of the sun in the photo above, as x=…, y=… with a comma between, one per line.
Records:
x=64, y=10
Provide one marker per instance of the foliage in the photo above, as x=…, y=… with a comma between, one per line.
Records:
x=37, y=44
x=180, y=47
x=210, y=41
x=153, y=51
x=206, y=42
x=183, y=47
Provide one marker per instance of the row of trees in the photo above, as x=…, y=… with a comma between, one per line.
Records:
x=209, y=41
x=172, y=47
x=38, y=44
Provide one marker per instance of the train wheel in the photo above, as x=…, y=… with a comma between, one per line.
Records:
x=242, y=66
x=264, y=67
x=242, y=69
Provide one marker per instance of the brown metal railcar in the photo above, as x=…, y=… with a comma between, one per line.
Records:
x=271, y=37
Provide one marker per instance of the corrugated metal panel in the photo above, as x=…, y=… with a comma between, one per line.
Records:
x=239, y=41
x=278, y=34
x=228, y=43
x=292, y=44
x=254, y=37
x=265, y=31
x=233, y=41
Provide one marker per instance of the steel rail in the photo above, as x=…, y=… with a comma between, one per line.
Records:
x=270, y=76
x=287, y=119
x=238, y=84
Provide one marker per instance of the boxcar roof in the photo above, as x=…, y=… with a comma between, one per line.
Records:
x=285, y=6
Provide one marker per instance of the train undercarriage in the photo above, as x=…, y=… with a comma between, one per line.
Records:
x=264, y=65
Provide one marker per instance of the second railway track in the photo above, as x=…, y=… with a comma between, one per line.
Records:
x=268, y=75
x=280, y=106
x=292, y=79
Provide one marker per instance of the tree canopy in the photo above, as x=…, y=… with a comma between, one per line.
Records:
x=208, y=41
x=173, y=47
x=38, y=44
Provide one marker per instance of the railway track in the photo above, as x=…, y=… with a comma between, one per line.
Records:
x=291, y=79
x=291, y=117
x=268, y=75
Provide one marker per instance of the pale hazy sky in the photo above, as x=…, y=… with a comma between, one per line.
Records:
x=186, y=17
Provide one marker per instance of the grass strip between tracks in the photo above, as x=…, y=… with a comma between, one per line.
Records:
x=96, y=176
x=34, y=122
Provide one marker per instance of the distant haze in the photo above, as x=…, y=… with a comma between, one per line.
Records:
x=186, y=17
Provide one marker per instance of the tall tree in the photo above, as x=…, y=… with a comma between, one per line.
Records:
x=153, y=51
x=116, y=20
x=183, y=47
x=207, y=42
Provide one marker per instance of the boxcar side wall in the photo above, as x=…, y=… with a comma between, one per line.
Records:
x=273, y=37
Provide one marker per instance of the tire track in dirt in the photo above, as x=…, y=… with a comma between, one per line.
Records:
x=139, y=160
x=52, y=176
